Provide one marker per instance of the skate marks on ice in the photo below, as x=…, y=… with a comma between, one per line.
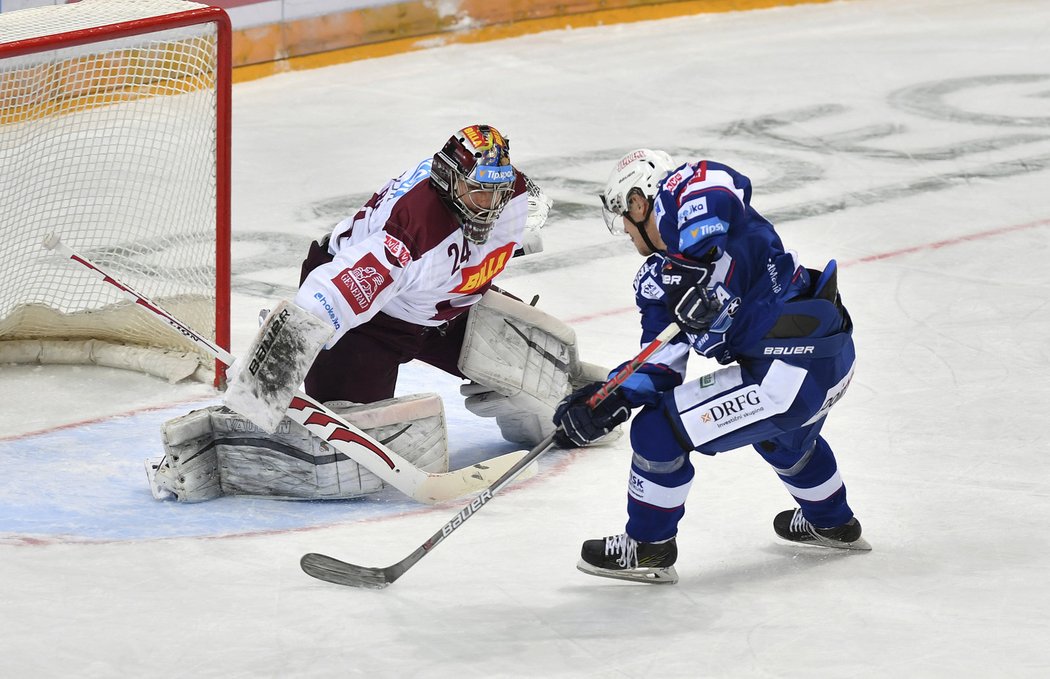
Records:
x=1020, y=114
x=780, y=148
x=776, y=146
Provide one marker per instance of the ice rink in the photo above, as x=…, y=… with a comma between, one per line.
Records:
x=910, y=140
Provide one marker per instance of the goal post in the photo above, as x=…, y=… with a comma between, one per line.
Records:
x=115, y=121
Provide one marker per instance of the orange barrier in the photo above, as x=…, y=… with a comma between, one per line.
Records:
x=417, y=24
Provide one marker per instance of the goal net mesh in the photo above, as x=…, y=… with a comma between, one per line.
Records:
x=111, y=145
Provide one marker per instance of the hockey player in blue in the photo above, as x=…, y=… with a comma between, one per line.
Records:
x=718, y=269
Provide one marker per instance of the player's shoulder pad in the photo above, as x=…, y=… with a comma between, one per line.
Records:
x=695, y=208
x=647, y=280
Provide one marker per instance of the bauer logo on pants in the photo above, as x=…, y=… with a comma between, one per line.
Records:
x=361, y=283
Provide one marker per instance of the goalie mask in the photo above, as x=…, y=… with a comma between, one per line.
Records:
x=473, y=175
x=637, y=173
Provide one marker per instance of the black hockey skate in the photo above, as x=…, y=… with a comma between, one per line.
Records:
x=791, y=525
x=624, y=558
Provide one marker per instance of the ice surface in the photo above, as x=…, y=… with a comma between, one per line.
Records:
x=911, y=141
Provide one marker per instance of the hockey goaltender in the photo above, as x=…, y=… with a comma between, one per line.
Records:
x=408, y=277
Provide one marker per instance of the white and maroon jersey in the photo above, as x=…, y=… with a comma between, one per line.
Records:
x=403, y=254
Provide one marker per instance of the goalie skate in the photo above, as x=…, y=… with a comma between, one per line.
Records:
x=154, y=465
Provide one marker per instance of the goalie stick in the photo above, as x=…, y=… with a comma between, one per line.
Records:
x=320, y=421
x=339, y=572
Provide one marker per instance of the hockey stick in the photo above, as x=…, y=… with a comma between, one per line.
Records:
x=342, y=573
x=347, y=439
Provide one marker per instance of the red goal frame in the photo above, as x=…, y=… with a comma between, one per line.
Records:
x=223, y=124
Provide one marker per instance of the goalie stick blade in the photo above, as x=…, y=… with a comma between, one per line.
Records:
x=477, y=477
x=341, y=573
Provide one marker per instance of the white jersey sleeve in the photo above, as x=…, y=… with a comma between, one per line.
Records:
x=355, y=285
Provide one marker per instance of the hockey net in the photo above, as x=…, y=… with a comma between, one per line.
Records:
x=114, y=134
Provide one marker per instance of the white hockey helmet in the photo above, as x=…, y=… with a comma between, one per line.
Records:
x=473, y=175
x=641, y=172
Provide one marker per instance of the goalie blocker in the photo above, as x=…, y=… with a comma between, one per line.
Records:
x=261, y=385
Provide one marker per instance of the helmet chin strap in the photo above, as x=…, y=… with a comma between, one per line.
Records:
x=643, y=231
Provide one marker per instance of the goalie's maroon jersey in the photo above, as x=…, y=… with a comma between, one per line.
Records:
x=391, y=281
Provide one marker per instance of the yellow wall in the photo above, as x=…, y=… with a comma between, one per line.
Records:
x=401, y=27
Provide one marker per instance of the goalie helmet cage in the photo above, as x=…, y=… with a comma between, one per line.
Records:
x=115, y=134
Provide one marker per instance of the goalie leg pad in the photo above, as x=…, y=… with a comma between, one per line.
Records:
x=513, y=348
x=412, y=426
x=216, y=451
x=522, y=362
x=190, y=467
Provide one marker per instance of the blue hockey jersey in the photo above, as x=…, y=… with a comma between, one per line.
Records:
x=705, y=216
x=704, y=213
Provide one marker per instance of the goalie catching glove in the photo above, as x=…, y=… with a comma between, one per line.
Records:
x=580, y=425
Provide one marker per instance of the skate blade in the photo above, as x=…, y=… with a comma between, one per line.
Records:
x=652, y=576
x=858, y=545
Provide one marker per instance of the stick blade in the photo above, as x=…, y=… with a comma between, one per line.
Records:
x=341, y=573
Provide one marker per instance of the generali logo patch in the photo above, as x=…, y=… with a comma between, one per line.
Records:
x=362, y=282
x=475, y=277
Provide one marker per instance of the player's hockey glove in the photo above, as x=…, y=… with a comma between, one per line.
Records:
x=691, y=304
x=579, y=425
x=696, y=310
